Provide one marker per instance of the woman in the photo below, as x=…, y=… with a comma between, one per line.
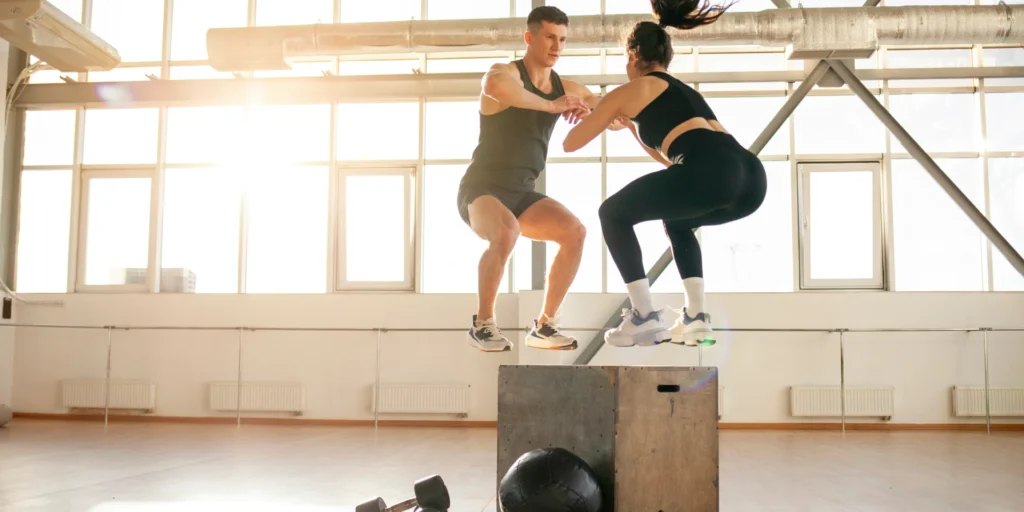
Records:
x=710, y=178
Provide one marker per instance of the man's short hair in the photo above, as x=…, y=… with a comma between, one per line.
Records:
x=548, y=13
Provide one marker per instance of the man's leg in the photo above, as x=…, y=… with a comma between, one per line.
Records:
x=548, y=220
x=493, y=222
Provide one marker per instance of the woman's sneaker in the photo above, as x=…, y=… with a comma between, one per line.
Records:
x=487, y=337
x=693, y=331
x=637, y=329
x=547, y=336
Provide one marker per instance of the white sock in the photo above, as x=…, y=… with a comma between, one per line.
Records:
x=640, y=296
x=694, y=295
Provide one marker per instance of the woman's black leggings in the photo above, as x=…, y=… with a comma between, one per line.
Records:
x=719, y=181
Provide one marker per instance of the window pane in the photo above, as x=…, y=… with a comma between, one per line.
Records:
x=897, y=59
x=134, y=27
x=204, y=134
x=378, y=67
x=957, y=129
x=578, y=8
x=353, y=11
x=1003, y=116
x=378, y=131
x=998, y=57
x=287, y=238
x=73, y=8
x=615, y=63
x=49, y=137
x=461, y=9
x=201, y=228
x=651, y=234
x=754, y=254
x=193, y=18
x=290, y=12
x=120, y=136
x=44, y=223
x=479, y=65
x=446, y=270
x=931, y=234
x=452, y=129
x=1006, y=188
x=578, y=65
x=841, y=220
x=124, y=75
x=745, y=118
x=117, y=244
x=817, y=130
x=49, y=76
x=578, y=188
x=522, y=264
x=742, y=62
x=290, y=133
x=374, y=231
x=621, y=143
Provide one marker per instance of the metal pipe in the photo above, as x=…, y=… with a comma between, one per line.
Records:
x=852, y=30
x=106, y=382
x=376, y=386
x=988, y=410
x=238, y=387
x=929, y=165
x=842, y=377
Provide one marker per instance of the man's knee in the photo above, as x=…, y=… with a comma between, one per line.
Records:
x=503, y=238
x=575, y=235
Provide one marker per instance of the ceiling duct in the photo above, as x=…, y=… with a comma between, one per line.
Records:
x=38, y=28
x=808, y=33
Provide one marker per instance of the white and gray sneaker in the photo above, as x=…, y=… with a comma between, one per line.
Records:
x=547, y=336
x=694, y=330
x=487, y=337
x=637, y=329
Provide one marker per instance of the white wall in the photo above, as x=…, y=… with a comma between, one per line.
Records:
x=338, y=368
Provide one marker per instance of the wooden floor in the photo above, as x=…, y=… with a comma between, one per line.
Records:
x=144, y=467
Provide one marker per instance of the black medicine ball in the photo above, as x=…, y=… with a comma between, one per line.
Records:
x=550, y=480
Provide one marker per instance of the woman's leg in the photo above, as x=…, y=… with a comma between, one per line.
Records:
x=679, y=192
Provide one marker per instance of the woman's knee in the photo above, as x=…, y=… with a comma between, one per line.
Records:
x=612, y=210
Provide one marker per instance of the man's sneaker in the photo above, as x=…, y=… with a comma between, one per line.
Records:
x=637, y=329
x=547, y=336
x=693, y=331
x=487, y=337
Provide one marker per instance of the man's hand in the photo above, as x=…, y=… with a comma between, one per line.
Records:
x=566, y=103
x=620, y=123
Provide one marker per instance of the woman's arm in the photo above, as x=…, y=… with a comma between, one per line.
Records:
x=592, y=125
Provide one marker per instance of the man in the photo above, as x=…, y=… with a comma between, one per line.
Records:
x=519, y=106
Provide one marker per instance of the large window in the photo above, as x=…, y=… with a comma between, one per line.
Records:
x=1003, y=119
x=121, y=136
x=957, y=129
x=451, y=251
x=114, y=242
x=49, y=137
x=193, y=18
x=375, y=238
x=290, y=12
x=838, y=124
x=936, y=246
x=134, y=27
x=44, y=224
x=1006, y=189
x=746, y=118
x=452, y=128
x=286, y=248
x=840, y=225
x=356, y=11
x=945, y=58
x=578, y=188
x=378, y=131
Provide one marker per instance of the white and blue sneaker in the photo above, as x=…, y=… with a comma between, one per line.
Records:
x=487, y=337
x=547, y=336
x=693, y=331
x=637, y=329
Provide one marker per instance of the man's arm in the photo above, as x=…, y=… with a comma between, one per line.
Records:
x=583, y=92
x=506, y=88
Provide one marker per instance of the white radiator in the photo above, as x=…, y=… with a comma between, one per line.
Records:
x=422, y=398
x=259, y=396
x=124, y=394
x=823, y=401
x=970, y=401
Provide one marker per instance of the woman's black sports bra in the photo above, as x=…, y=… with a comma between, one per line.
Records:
x=677, y=104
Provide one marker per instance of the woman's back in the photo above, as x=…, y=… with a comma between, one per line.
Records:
x=676, y=104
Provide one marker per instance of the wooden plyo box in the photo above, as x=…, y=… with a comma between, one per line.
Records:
x=649, y=433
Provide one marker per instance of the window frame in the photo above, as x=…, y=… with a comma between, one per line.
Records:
x=805, y=169
x=81, y=248
x=337, y=244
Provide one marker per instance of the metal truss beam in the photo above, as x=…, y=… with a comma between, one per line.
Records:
x=929, y=165
x=816, y=74
x=328, y=89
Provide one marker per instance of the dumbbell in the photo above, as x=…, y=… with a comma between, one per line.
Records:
x=431, y=496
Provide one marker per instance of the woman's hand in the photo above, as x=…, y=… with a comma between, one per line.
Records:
x=621, y=122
